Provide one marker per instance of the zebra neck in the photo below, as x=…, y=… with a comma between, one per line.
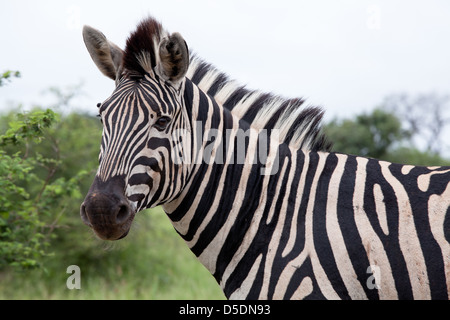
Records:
x=220, y=211
x=215, y=202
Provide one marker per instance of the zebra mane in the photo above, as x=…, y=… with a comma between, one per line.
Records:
x=298, y=126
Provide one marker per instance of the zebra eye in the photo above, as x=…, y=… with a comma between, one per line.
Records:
x=161, y=123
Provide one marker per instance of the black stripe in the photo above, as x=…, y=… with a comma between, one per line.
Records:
x=188, y=99
x=302, y=271
x=432, y=253
x=200, y=72
x=322, y=244
x=139, y=178
x=235, y=97
x=391, y=241
x=220, y=80
x=161, y=184
x=350, y=234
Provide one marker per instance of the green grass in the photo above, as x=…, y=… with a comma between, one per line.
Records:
x=152, y=262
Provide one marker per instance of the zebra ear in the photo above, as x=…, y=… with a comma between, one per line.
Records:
x=106, y=55
x=173, y=58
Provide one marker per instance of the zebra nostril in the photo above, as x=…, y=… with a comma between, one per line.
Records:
x=84, y=216
x=123, y=213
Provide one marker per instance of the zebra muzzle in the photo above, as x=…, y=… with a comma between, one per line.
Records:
x=107, y=212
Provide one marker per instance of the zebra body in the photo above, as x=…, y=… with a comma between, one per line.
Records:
x=296, y=236
x=297, y=222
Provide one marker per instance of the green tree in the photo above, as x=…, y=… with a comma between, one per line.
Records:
x=369, y=134
x=380, y=134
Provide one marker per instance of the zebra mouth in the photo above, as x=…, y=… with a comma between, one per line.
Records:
x=124, y=235
x=108, y=215
x=112, y=232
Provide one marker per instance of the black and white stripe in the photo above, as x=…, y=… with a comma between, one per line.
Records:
x=320, y=227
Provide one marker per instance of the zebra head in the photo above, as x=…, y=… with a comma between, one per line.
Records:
x=139, y=120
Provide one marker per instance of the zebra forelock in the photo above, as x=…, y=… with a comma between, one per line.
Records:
x=141, y=47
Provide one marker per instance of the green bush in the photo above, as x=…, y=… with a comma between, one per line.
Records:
x=23, y=232
x=35, y=185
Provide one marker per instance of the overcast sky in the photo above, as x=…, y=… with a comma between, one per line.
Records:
x=345, y=55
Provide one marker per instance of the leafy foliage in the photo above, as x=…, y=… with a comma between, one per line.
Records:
x=367, y=135
x=6, y=76
x=34, y=190
x=23, y=233
x=380, y=134
x=41, y=194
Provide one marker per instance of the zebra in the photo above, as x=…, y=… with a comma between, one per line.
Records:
x=300, y=222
